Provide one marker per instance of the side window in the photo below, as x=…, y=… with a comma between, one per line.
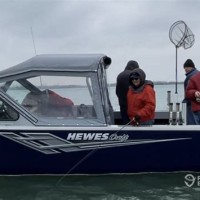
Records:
x=7, y=113
x=17, y=91
x=59, y=97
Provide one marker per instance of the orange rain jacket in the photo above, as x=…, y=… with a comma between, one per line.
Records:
x=141, y=103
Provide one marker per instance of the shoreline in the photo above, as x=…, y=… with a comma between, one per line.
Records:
x=156, y=83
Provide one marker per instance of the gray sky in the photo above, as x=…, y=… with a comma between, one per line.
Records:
x=123, y=29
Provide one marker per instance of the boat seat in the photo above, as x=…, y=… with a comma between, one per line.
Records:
x=48, y=103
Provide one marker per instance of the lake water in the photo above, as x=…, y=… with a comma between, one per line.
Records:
x=161, y=95
x=150, y=186
x=160, y=186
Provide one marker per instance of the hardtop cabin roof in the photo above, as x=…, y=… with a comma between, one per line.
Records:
x=56, y=62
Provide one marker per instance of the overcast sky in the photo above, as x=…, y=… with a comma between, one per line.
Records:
x=123, y=29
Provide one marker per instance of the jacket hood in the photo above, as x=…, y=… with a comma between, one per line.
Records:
x=139, y=73
x=131, y=65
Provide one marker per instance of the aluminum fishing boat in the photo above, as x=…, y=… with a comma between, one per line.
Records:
x=56, y=118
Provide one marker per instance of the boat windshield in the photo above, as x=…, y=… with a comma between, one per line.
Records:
x=58, y=99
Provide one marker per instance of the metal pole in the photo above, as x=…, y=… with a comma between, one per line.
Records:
x=176, y=92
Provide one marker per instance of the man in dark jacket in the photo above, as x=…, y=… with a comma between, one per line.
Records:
x=193, y=94
x=190, y=70
x=122, y=87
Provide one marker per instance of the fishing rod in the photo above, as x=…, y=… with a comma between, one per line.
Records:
x=90, y=154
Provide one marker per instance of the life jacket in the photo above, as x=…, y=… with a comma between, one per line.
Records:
x=57, y=100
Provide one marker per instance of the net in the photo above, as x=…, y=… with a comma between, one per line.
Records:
x=181, y=35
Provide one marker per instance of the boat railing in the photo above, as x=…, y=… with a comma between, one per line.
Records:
x=161, y=118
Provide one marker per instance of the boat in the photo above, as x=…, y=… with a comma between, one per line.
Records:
x=56, y=117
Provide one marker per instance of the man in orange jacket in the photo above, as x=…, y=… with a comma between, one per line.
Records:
x=141, y=99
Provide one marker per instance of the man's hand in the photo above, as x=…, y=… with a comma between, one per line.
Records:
x=197, y=96
x=136, y=120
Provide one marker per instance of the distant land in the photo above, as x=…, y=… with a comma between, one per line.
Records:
x=78, y=86
x=155, y=83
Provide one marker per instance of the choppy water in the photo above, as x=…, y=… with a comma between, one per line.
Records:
x=166, y=186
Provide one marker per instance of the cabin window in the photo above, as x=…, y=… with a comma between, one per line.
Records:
x=7, y=113
x=17, y=91
x=55, y=96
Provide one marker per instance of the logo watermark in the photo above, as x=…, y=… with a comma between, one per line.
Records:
x=192, y=180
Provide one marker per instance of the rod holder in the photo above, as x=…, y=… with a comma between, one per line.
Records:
x=184, y=114
x=177, y=121
x=168, y=97
x=170, y=113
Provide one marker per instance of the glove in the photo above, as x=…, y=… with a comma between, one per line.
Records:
x=136, y=120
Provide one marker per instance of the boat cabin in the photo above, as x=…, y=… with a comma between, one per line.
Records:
x=61, y=90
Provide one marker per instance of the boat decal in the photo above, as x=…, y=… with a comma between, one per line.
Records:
x=97, y=137
x=48, y=143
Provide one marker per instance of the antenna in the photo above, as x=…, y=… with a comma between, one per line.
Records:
x=35, y=51
x=33, y=41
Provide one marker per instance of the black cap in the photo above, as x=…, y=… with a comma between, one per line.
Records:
x=189, y=63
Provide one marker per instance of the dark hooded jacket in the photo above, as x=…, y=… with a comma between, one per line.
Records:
x=122, y=87
x=141, y=100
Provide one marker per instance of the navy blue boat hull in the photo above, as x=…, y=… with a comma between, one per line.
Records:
x=149, y=151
